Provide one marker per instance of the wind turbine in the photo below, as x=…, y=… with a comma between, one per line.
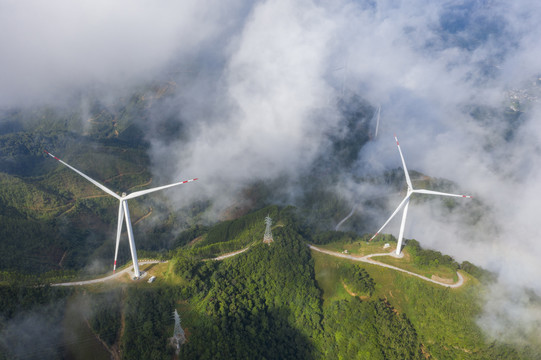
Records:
x=405, y=203
x=377, y=122
x=123, y=211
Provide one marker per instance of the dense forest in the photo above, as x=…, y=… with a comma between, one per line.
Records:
x=266, y=303
x=273, y=301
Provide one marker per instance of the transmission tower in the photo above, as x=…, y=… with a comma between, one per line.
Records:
x=178, y=335
x=267, y=238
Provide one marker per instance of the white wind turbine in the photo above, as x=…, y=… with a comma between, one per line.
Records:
x=405, y=203
x=123, y=211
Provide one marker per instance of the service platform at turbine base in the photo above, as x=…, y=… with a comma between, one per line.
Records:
x=142, y=275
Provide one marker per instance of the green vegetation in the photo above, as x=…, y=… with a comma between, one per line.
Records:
x=425, y=262
x=266, y=303
x=148, y=321
x=380, y=331
x=425, y=258
x=445, y=272
x=443, y=318
x=263, y=303
x=477, y=272
x=368, y=330
x=105, y=317
x=357, y=280
x=326, y=237
x=44, y=219
x=16, y=298
x=236, y=234
x=275, y=301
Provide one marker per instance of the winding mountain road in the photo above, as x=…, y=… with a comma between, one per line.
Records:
x=225, y=256
x=106, y=278
x=367, y=259
x=121, y=272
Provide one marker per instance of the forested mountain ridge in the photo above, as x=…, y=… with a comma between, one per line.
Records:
x=273, y=301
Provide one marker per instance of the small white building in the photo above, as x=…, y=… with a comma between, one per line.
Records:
x=387, y=245
x=151, y=280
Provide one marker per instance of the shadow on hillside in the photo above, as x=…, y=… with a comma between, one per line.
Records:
x=247, y=335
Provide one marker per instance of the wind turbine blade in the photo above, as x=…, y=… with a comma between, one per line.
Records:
x=402, y=203
x=118, y=231
x=408, y=180
x=143, y=192
x=430, y=192
x=402, y=226
x=377, y=121
x=110, y=192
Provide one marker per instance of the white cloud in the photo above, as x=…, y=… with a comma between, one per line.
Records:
x=262, y=105
x=52, y=48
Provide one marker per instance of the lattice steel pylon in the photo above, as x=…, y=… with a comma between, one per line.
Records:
x=267, y=238
x=179, y=337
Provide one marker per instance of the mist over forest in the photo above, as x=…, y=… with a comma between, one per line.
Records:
x=276, y=102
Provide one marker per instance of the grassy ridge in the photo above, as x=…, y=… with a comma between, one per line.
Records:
x=236, y=234
x=443, y=318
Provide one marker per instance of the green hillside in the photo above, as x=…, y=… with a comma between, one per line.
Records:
x=53, y=211
x=54, y=220
x=277, y=301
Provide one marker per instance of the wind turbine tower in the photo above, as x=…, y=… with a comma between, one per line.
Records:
x=123, y=211
x=405, y=203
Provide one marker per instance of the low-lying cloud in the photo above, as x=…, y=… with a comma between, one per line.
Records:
x=51, y=49
x=262, y=103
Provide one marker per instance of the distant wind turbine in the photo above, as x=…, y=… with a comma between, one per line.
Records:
x=377, y=122
x=123, y=211
x=405, y=203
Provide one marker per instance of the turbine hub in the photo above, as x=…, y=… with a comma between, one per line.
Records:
x=123, y=194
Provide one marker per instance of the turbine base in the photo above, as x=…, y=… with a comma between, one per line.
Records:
x=142, y=275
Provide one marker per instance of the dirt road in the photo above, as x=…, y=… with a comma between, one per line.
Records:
x=106, y=278
x=368, y=259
